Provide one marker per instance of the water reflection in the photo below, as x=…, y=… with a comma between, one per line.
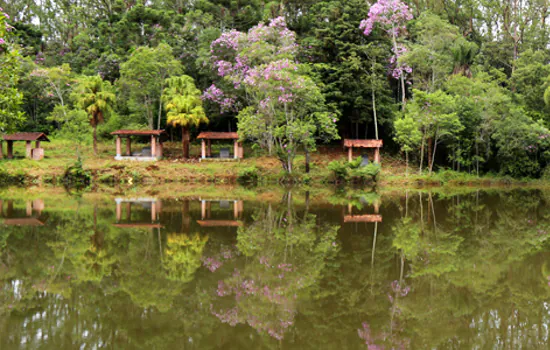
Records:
x=287, y=270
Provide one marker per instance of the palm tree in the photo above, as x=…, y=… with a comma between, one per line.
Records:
x=464, y=53
x=183, y=105
x=96, y=97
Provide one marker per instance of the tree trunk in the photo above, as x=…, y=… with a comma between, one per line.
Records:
x=185, y=141
x=95, y=139
x=433, y=157
x=307, y=159
x=407, y=163
x=374, y=113
x=430, y=143
x=422, y=152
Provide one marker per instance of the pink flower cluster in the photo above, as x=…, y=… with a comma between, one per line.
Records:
x=392, y=14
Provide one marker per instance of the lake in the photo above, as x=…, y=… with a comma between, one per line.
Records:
x=238, y=268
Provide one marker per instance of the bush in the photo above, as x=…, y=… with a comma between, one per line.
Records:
x=76, y=175
x=249, y=175
x=345, y=171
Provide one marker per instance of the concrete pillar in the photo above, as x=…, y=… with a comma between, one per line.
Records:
x=203, y=210
x=235, y=210
x=10, y=149
x=350, y=154
x=118, y=211
x=203, y=149
x=129, y=146
x=209, y=149
x=29, y=208
x=377, y=155
x=37, y=144
x=153, y=145
x=118, y=146
x=28, y=149
x=236, y=149
x=153, y=212
x=160, y=149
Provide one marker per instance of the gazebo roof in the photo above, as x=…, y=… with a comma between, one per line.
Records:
x=363, y=143
x=27, y=136
x=138, y=132
x=210, y=135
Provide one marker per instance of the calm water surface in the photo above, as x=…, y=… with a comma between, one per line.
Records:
x=284, y=270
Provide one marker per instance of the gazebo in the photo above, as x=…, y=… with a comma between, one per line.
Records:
x=376, y=217
x=206, y=145
x=33, y=214
x=146, y=154
x=154, y=204
x=354, y=143
x=206, y=213
x=35, y=153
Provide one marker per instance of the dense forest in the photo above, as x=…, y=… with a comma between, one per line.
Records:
x=460, y=84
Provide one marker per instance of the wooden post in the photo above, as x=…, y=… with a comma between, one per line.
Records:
x=209, y=149
x=350, y=154
x=129, y=146
x=203, y=149
x=153, y=146
x=28, y=152
x=118, y=146
x=377, y=155
x=1, y=150
x=236, y=149
x=10, y=149
x=203, y=210
x=118, y=211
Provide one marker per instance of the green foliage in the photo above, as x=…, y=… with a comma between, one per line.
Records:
x=344, y=171
x=249, y=175
x=76, y=176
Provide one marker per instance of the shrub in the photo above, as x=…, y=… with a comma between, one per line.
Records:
x=76, y=175
x=344, y=171
x=248, y=175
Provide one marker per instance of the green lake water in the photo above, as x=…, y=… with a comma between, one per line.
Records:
x=289, y=270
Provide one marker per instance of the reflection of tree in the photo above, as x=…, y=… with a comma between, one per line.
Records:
x=285, y=254
x=182, y=256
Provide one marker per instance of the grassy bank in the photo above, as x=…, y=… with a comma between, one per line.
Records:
x=103, y=169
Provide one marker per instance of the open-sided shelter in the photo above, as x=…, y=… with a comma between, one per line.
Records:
x=206, y=213
x=35, y=153
x=153, y=204
x=206, y=145
x=145, y=154
x=350, y=144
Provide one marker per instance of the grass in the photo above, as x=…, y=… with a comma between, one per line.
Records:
x=60, y=154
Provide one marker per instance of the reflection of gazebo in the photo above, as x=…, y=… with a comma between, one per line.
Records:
x=352, y=143
x=206, y=213
x=35, y=153
x=152, y=203
x=206, y=145
x=146, y=154
x=33, y=214
x=350, y=217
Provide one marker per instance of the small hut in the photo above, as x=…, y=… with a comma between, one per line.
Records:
x=33, y=214
x=206, y=145
x=350, y=144
x=206, y=214
x=153, y=204
x=35, y=153
x=152, y=153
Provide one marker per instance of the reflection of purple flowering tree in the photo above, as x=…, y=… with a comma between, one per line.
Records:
x=392, y=15
x=284, y=256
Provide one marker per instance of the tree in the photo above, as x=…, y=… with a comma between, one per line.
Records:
x=10, y=97
x=407, y=135
x=96, y=97
x=143, y=78
x=183, y=105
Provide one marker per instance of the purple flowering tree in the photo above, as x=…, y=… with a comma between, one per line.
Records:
x=392, y=16
x=278, y=106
